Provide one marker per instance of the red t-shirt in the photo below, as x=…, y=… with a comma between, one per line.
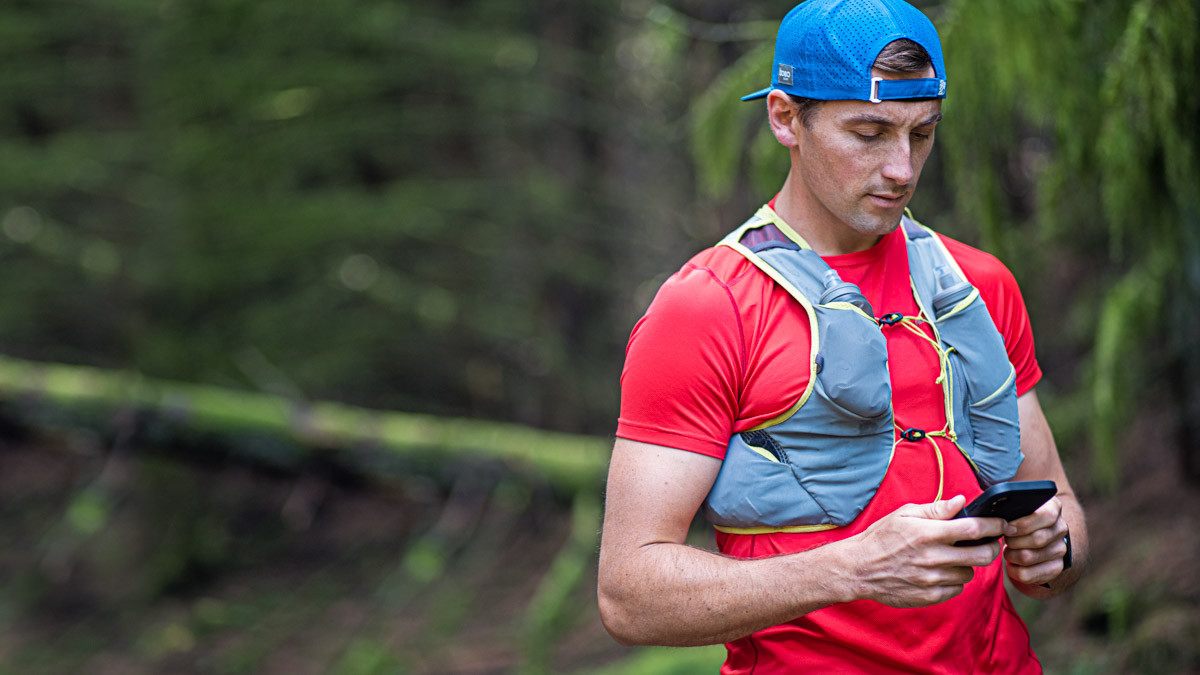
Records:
x=723, y=348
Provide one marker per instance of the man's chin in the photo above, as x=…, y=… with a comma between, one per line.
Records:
x=879, y=226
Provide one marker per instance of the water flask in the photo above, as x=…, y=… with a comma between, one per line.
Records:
x=951, y=291
x=837, y=290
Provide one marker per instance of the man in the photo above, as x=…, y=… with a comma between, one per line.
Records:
x=832, y=423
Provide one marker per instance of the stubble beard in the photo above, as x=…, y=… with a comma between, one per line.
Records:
x=873, y=225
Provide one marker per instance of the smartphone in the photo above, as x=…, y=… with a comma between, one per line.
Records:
x=1010, y=501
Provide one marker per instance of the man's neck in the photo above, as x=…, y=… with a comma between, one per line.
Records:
x=821, y=229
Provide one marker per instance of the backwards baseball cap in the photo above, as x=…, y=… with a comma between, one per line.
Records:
x=825, y=50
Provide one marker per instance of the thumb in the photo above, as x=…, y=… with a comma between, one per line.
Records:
x=944, y=509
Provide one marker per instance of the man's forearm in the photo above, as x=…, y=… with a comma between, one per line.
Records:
x=672, y=594
x=653, y=589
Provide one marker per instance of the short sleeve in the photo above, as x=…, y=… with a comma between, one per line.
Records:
x=1002, y=295
x=683, y=365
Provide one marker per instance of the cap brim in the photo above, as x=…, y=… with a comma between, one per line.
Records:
x=762, y=93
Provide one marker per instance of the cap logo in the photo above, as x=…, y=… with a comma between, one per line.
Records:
x=785, y=74
x=941, y=88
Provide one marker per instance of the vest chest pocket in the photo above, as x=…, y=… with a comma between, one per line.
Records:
x=820, y=467
x=840, y=442
x=757, y=488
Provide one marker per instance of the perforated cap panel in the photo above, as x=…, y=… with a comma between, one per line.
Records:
x=825, y=49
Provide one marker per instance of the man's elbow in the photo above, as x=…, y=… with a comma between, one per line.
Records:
x=620, y=620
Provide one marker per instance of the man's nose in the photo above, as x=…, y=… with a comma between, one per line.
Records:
x=898, y=167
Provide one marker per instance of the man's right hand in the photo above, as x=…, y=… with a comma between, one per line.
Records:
x=908, y=558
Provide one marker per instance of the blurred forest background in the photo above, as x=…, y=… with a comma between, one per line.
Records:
x=313, y=312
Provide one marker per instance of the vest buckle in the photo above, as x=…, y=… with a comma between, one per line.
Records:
x=913, y=434
x=891, y=319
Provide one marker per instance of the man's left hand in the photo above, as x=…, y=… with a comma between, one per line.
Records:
x=1037, y=545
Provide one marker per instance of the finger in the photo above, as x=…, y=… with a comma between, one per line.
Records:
x=958, y=576
x=944, y=509
x=1027, y=557
x=1041, y=538
x=1043, y=517
x=1036, y=574
x=925, y=597
x=940, y=594
x=981, y=555
x=971, y=529
x=949, y=592
x=949, y=575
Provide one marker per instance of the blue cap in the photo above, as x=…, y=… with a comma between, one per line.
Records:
x=825, y=50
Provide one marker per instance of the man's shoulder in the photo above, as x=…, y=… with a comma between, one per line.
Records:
x=716, y=284
x=723, y=263
x=717, y=268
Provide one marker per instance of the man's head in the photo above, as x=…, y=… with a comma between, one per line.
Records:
x=855, y=96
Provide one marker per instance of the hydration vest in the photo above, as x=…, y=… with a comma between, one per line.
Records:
x=817, y=466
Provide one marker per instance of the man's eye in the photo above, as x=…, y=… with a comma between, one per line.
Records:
x=922, y=137
x=866, y=137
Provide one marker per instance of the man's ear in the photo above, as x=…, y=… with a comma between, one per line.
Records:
x=784, y=118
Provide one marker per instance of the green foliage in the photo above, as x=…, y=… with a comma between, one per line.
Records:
x=88, y=512
x=721, y=120
x=1116, y=105
x=729, y=136
x=668, y=661
x=368, y=658
x=424, y=561
x=349, y=191
x=545, y=618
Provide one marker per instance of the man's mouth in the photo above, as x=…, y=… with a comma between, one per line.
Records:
x=886, y=199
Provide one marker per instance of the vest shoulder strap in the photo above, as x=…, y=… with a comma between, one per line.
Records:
x=926, y=254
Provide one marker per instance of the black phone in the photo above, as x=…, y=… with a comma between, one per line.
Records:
x=1010, y=501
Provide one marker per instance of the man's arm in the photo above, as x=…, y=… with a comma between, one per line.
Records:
x=653, y=589
x=1036, y=547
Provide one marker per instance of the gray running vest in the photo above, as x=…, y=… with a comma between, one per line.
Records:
x=817, y=466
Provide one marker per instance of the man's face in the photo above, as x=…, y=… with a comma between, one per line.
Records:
x=861, y=160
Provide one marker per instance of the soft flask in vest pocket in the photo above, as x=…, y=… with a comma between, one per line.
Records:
x=820, y=465
x=985, y=412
